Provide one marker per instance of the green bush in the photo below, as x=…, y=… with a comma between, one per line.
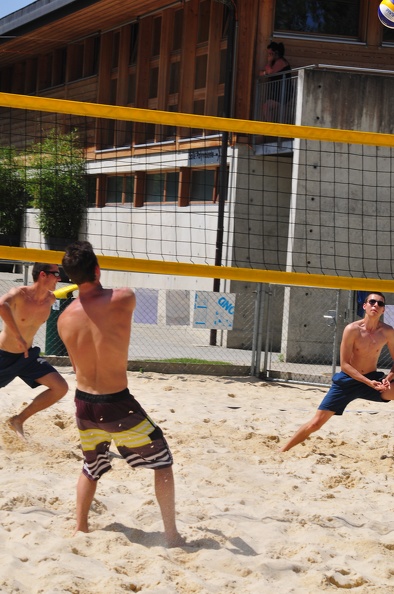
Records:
x=57, y=180
x=14, y=197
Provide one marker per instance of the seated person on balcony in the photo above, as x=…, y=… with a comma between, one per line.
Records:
x=274, y=92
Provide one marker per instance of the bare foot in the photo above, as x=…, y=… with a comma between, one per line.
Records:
x=85, y=531
x=176, y=541
x=16, y=426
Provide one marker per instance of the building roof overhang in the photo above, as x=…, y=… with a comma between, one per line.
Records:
x=47, y=24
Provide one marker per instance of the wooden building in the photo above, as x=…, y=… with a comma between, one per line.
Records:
x=171, y=56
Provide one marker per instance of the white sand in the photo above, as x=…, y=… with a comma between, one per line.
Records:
x=316, y=519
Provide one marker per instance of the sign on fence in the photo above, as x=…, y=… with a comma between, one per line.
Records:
x=214, y=311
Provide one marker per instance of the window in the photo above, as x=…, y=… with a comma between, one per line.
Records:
x=172, y=186
x=203, y=21
x=155, y=184
x=162, y=187
x=75, y=53
x=178, y=30
x=45, y=71
x=133, y=43
x=82, y=58
x=115, y=50
x=5, y=79
x=120, y=189
x=203, y=185
x=153, y=82
x=59, y=66
x=31, y=75
x=388, y=35
x=201, y=72
x=18, y=78
x=335, y=18
x=91, y=59
x=156, y=36
x=91, y=190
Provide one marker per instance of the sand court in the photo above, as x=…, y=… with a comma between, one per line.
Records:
x=318, y=518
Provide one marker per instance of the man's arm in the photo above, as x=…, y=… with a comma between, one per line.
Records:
x=390, y=345
x=6, y=302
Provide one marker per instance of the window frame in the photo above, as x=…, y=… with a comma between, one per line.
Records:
x=361, y=35
x=139, y=198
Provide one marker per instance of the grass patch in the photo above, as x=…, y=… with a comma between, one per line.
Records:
x=193, y=361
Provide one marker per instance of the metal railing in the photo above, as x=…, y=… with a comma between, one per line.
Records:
x=276, y=97
x=275, y=101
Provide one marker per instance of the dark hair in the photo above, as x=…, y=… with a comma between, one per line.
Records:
x=279, y=48
x=80, y=262
x=374, y=293
x=39, y=267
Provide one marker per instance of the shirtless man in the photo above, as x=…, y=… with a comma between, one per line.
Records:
x=95, y=328
x=23, y=310
x=362, y=343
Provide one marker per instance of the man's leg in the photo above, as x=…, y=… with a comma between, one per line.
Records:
x=388, y=394
x=86, y=490
x=57, y=388
x=165, y=494
x=321, y=417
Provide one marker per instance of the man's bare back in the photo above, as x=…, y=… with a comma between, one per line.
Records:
x=96, y=329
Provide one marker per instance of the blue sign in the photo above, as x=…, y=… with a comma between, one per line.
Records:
x=214, y=311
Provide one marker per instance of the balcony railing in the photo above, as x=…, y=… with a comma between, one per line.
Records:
x=275, y=102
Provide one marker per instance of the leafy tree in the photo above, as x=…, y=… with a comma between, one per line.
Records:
x=14, y=197
x=57, y=180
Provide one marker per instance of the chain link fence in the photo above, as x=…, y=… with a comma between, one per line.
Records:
x=173, y=331
x=275, y=332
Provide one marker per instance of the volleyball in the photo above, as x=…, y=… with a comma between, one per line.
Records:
x=386, y=13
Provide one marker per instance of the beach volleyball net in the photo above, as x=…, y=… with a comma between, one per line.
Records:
x=200, y=208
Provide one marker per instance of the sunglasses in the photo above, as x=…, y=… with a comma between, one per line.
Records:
x=376, y=302
x=54, y=272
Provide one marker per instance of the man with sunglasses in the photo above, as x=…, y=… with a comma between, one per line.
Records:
x=362, y=343
x=23, y=310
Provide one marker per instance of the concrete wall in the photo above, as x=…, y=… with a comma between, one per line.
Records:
x=261, y=215
x=342, y=221
x=344, y=192
x=119, y=232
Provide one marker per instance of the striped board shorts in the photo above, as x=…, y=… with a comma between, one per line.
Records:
x=118, y=417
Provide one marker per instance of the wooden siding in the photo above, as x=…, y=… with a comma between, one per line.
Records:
x=103, y=15
x=34, y=61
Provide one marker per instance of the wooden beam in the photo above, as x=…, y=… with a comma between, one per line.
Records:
x=213, y=64
x=143, y=72
x=184, y=186
x=190, y=30
x=246, y=44
x=139, y=188
x=101, y=190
